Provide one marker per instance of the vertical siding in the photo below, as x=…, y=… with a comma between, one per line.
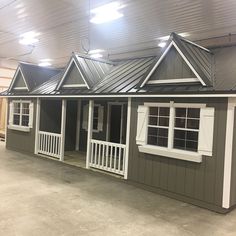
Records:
x=200, y=181
x=22, y=141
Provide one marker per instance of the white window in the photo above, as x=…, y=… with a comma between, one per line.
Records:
x=21, y=115
x=158, y=125
x=186, y=128
x=98, y=112
x=95, y=117
x=182, y=131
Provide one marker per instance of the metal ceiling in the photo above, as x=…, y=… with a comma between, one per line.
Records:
x=64, y=26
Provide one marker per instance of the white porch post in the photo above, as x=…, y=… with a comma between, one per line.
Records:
x=63, y=129
x=90, y=131
x=78, y=125
x=127, y=138
x=228, y=153
x=38, y=105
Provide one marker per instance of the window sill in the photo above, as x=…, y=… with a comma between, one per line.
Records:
x=19, y=128
x=171, y=153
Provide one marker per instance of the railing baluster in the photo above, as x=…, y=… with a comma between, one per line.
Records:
x=115, y=157
x=95, y=155
x=120, y=150
x=103, y=153
x=92, y=153
x=99, y=155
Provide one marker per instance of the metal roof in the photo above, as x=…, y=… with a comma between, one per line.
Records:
x=125, y=77
x=34, y=75
x=93, y=70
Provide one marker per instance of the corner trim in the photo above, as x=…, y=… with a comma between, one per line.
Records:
x=228, y=153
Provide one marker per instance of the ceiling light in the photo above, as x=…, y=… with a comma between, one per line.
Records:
x=29, y=38
x=22, y=16
x=22, y=10
x=162, y=44
x=45, y=64
x=19, y=6
x=106, y=13
x=46, y=60
x=95, y=51
x=96, y=55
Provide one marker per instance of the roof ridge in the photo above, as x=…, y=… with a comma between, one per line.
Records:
x=86, y=56
x=174, y=35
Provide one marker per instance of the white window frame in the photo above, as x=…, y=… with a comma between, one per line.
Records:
x=20, y=127
x=96, y=130
x=170, y=151
x=84, y=119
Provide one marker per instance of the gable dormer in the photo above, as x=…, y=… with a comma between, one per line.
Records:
x=19, y=82
x=181, y=62
x=73, y=77
x=84, y=72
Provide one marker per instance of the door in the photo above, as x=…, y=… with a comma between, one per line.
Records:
x=115, y=123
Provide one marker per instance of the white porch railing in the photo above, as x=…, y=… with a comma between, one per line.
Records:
x=107, y=156
x=49, y=144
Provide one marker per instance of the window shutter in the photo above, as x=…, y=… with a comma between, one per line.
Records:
x=31, y=114
x=206, y=131
x=141, y=137
x=100, y=118
x=11, y=107
x=85, y=117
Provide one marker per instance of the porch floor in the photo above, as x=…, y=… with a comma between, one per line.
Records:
x=75, y=158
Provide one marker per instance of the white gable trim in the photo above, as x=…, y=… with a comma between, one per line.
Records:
x=20, y=88
x=66, y=72
x=14, y=79
x=74, y=86
x=162, y=57
x=173, y=81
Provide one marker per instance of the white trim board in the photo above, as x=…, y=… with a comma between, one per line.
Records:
x=228, y=153
x=173, y=81
x=66, y=72
x=162, y=57
x=14, y=79
x=74, y=86
x=20, y=88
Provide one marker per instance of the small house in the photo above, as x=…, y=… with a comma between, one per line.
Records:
x=163, y=122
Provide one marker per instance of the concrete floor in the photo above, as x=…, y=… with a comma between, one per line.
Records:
x=43, y=197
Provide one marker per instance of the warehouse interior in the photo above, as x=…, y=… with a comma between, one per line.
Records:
x=41, y=194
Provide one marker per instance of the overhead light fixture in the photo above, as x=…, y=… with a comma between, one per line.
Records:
x=162, y=44
x=29, y=38
x=96, y=55
x=19, y=6
x=106, y=13
x=95, y=51
x=44, y=64
x=46, y=60
x=22, y=10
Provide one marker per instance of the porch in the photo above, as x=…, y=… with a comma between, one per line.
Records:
x=85, y=133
